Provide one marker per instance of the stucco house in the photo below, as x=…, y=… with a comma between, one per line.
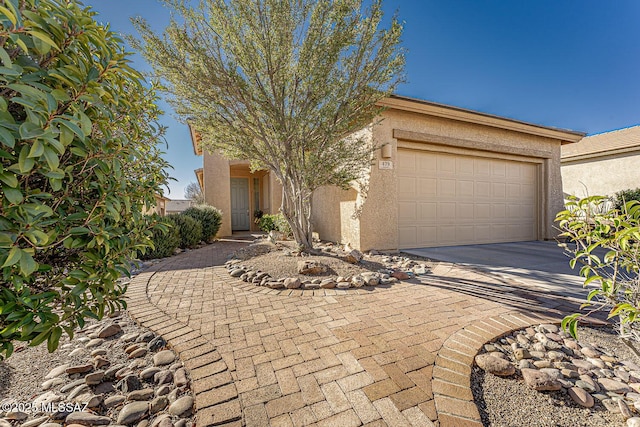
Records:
x=602, y=164
x=442, y=176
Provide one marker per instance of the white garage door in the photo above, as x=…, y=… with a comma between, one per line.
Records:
x=452, y=199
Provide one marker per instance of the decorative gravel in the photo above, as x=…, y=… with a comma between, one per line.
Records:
x=508, y=401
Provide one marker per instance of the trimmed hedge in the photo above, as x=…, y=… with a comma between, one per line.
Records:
x=189, y=229
x=209, y=217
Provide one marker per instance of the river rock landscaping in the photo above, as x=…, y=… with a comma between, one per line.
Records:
x=331, y=266
x=112, y=372
x=591, y=381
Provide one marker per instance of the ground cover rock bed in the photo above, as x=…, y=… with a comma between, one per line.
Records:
x=112, y=372
x=541, y=376
x=331, y=266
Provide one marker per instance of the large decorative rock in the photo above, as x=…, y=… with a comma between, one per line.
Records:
x=133, y=412
x=494, y=365
x=400, y=275
x=94, y=378
x=540, y=381
x=144, y=394
x=156, y=344
x=237, y=272
x=614, y=386
x=180, y=378
x=109, y=330
x=292, y=283
x=353, y=257
x=79, y=369
x=87, y=419
x=165, y=357
x=581, y=397
x=328, y=284
x=182, y=406
x=357, y=281
x=311, y=268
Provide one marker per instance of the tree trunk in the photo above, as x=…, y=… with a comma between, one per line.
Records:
x=296, y=208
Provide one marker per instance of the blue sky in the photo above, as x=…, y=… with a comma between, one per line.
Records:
x=568, y=64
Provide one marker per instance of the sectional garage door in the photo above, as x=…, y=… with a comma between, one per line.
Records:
x=452, y=199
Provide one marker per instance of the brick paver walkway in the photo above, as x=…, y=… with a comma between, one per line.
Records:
x=396, y=356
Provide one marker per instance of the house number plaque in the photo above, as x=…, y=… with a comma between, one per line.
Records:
x=385, y=164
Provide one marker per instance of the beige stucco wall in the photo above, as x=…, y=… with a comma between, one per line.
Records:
x=602, y=176
x=377, y=226
x=217, y=191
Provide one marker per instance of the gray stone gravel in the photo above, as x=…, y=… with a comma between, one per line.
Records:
x=507, y=401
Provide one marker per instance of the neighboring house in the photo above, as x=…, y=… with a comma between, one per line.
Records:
x=443, y=176
x=602, y=164
x=160, y=207
x=177, y=206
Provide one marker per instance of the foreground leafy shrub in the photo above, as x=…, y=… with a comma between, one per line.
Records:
x=590, y=229
x=79, y=164
x=189, y=230
x=275, y=222
x=209, y=217
x=165, y=239
x=624, y=196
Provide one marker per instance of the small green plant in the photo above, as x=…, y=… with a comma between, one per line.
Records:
x=624, y=196
x=607, y=244
x=275, y=222
x=165, y=238
x=209, y=217
x=189, y=229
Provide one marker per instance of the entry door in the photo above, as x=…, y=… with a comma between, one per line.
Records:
x=239, y=204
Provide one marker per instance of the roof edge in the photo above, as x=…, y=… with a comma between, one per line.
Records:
x=195, y=140
x=405, y=103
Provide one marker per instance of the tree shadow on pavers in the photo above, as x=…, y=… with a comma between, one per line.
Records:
x=6, y=375
x=506, y=293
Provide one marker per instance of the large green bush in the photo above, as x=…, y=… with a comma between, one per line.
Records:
x=189, y=230
x=606, y=242
x=79, y=164
x=624, y=196
x=165, y=239
x=275, y=222
x=209, y=217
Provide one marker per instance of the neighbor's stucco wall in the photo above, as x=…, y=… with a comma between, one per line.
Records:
x=601, y=176
x=217, y=190
x=379, y=220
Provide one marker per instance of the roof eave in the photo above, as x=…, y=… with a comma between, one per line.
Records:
x=455, y=113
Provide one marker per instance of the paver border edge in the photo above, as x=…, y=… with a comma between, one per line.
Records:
x=455, y=405
x=208, y=371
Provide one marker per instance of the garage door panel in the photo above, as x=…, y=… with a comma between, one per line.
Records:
x=427, y=187
x=407, y=211
x=446, y=199
x=482, y=189
x=464, y=188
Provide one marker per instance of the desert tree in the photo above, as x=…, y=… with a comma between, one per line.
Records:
x=284, y=84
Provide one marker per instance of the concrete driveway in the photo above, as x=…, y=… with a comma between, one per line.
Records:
x=540, y=265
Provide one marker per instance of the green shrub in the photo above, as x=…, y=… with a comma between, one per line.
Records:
x=209, y=217
x=79, y=163
x=165, y=239
x=189, y=229
x=275, y=222
x=625, y=196
x=606, y=242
